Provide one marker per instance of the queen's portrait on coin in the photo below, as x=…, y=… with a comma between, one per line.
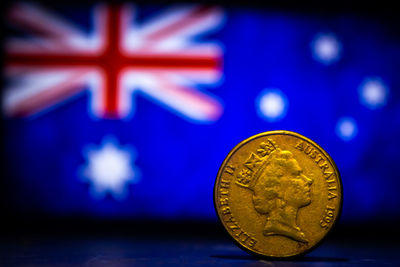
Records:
x=280, y=190
x=271, y=194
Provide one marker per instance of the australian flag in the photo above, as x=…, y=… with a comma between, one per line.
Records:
x=129, y=110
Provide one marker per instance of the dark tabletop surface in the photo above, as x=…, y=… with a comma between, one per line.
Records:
x=189, y=247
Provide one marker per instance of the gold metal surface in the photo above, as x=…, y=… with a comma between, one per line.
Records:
x=278, y=194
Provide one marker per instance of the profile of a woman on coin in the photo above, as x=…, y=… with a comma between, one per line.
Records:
x=280, y=191
x=271, y=194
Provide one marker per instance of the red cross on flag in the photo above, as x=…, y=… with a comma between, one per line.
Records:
x=119, y=57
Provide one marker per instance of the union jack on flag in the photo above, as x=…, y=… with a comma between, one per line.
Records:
x=116, y=59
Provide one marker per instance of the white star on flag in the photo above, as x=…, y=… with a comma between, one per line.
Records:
x=326, y=48
x=110, y=169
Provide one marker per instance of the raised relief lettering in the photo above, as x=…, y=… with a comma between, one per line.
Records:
x=324, y=167
x=313, y=154
x=282, y=196
x=318, y=159
x=244, y=237
x=308, y=149
x=226, y=210
x=234, y=227
x=223, y=191
x=331, y=195
x=252, y=242
x=300, y=146
x=223, y=201
x=322, y=164
x=230, y=169
x=230, y=217
x=224, y=184
x=327, y=217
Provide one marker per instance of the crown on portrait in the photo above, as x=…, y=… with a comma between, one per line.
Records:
x=255, y=164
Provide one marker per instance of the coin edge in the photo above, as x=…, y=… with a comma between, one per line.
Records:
x=268, y=133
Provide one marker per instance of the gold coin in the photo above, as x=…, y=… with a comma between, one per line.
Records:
x=278, y=194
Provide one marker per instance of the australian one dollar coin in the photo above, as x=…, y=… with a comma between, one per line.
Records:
x=278, y=194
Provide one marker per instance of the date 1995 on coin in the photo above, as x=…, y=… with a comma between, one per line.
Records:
x=278, y=194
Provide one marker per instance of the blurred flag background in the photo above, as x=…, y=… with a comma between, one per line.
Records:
x=127, y=111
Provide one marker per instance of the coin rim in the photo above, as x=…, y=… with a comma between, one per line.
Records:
x=268, y=133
